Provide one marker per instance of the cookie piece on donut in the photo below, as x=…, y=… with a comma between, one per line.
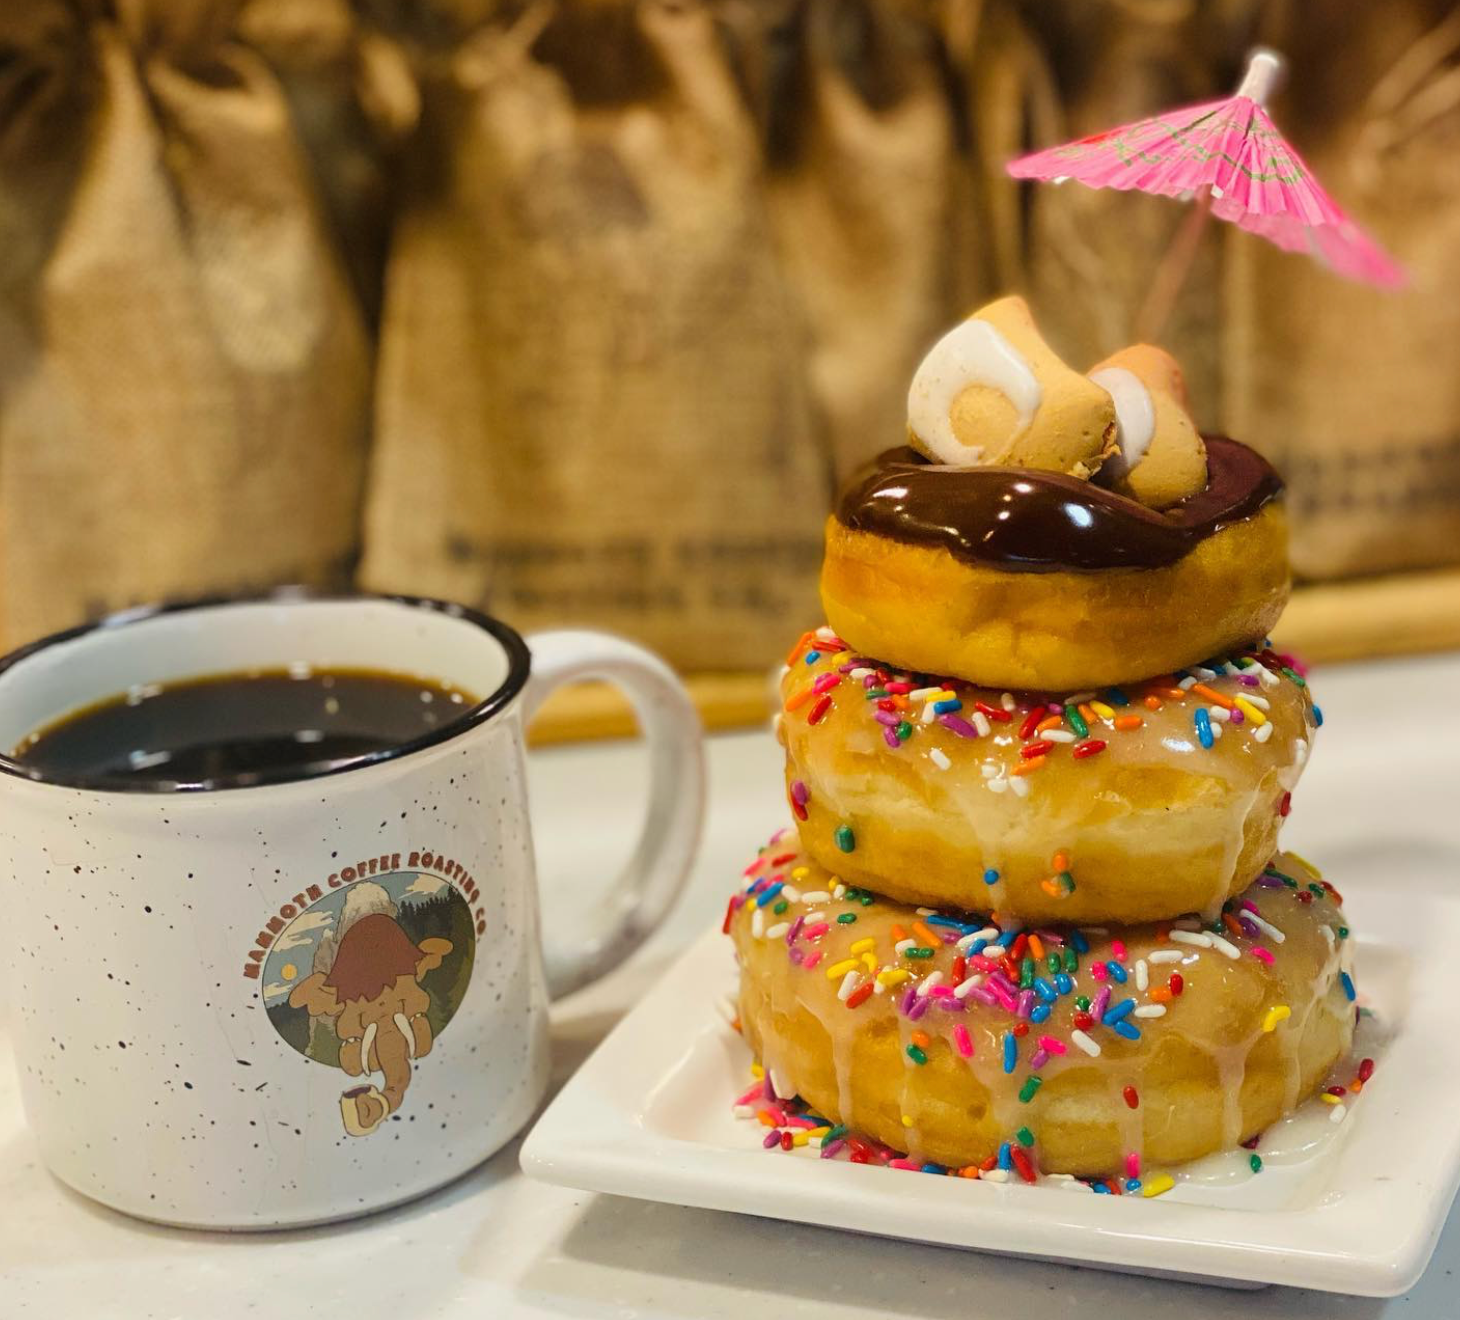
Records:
x=1130, y=804
x=1162, y=1043
x=1159, y=458
x=992, y=391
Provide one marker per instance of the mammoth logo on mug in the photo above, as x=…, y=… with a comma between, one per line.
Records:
x=365, y=971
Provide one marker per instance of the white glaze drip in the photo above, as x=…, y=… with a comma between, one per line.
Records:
x=973, y=353
x=905, y=1029
x=1132, y=1122
x=841, y=1061
x=1231, y=1061
x=1293, y=1078
x=1135, y=418
x=1304, y=1135
x=841, y=1047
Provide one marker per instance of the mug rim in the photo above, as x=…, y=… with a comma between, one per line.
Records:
x=519, y=667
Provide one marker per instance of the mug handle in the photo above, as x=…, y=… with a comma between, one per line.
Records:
x=647, y=887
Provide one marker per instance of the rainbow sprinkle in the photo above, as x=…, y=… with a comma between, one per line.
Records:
x=1014, y=736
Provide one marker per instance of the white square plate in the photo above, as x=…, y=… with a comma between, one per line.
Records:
x=649, y=1116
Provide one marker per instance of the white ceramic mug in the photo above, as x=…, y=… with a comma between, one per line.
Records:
x=181, y=1056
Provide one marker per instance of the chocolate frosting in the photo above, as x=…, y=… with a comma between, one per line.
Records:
x=1029, y=521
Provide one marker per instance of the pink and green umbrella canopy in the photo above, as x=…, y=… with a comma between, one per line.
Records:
x=1229, y=153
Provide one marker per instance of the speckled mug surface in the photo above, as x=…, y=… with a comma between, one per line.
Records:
x=314, y=993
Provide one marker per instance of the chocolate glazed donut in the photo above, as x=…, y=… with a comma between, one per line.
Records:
x=1019, y=578
x=1039, y=522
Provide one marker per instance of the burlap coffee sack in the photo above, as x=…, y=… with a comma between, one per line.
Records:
x=861, y=190
x=1003, y=98
x=1353, y=391
x=183, y=369
x=352, y=99
x=591, y=402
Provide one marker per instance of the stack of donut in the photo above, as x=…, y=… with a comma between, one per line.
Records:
x=1034, y=915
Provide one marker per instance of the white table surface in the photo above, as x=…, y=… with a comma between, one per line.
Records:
x=496, y=1244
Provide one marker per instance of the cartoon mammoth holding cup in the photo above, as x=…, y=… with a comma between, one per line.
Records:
x=373, y=996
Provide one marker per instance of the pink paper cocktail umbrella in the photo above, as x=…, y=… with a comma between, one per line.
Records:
x=1229, y=156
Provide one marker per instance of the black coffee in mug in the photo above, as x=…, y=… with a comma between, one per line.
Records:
x=226, y=726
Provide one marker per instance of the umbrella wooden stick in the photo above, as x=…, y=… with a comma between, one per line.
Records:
x=1264, y=71
x=1171, y=272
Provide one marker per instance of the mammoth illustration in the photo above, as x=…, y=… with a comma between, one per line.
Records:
x=372, y=993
